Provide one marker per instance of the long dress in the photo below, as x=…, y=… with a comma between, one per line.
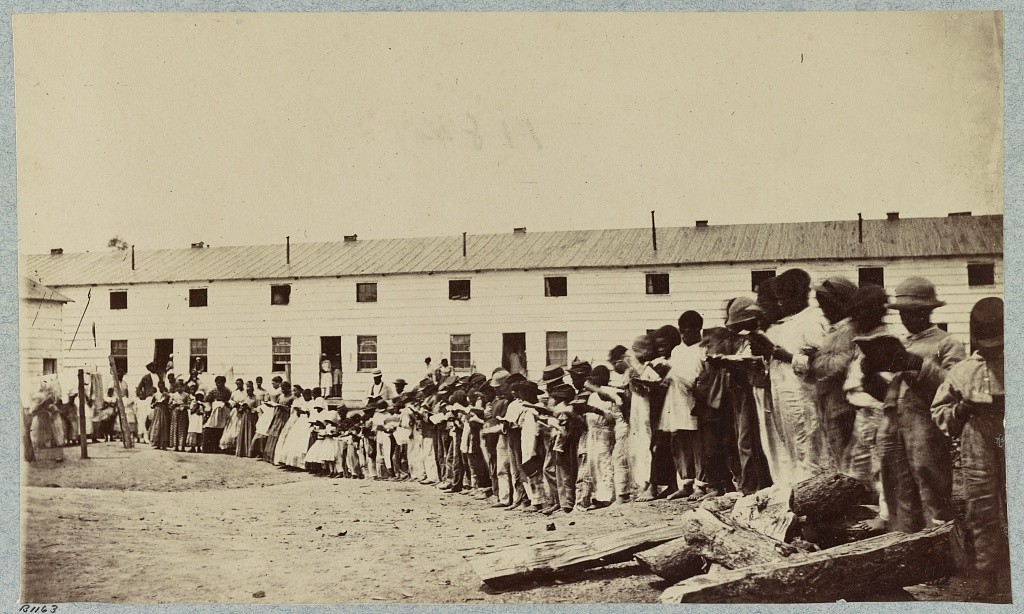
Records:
x=230, y=436
x=247, y=428
x=295, y=446
x=160, y=431
x=278, y=427
x=179, y=420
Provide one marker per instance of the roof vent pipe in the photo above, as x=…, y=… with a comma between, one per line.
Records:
x=654, y=233
x=702, y=223
x=351, y=238
x=463, y=245
x=860, y=228
x=519, y=231
x=892, y=216
x=57, y=251
x=288, y=250
x=199, y=245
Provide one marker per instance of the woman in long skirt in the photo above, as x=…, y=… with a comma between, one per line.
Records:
x=160, y=432
x=296, y=444
x=229, y=439
x=247, y=427
x=276, y=431
x=180, y=404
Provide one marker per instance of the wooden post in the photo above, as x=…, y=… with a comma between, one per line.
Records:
x=81, y=413
x=127, y=438
x=26, y=440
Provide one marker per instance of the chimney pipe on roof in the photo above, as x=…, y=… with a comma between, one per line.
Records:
x=519, y=231
x=654, y=233
x=199, y=245
x=288, y=250
x=702, y=223
x=351, y=238
x=892, y=216
x=463, y=245
x=57, y=251
x=860, y=228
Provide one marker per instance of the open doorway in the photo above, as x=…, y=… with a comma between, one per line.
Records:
x=163, y=349
x=513, y=352
x=330, y=366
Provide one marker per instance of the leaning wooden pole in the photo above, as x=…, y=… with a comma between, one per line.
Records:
x=81, y=413
x=126, y=436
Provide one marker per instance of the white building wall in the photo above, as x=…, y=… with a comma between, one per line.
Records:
x=413, y=316
x=40, y=328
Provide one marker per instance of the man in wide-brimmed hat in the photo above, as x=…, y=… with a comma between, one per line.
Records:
x=971, y=403
x=379, y=389
x=552, y=376
x=917, y=492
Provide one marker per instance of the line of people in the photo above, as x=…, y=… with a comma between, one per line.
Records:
x=784, y=391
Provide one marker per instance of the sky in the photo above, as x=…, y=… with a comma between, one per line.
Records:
x=234, y=129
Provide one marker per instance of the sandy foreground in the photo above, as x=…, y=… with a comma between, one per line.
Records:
x=142, y=526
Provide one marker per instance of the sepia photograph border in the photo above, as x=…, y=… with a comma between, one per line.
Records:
x=1013, y=178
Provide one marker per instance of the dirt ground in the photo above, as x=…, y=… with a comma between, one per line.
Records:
x=142, y=526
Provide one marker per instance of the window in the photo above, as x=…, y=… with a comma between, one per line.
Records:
x=759, y=277
x=555, y=286
x=871, y=276
x=558, y=348
x=280, y=295
x=281, y=354
x=197, y=297
x=119, y=299
x=119, y=350
x=366, y=293
x=981, y=274
x=657, y=283
x=197, y=355
x=460, y=352
x=458, y=289
x=366, y=352
x=49, y=366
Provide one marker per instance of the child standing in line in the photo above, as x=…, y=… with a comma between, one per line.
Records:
x=196, y=413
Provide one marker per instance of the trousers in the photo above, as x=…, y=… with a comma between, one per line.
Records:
x=567, y=471
x=509, y=486
x=489, y=447
x=915, y=467
x=984, y=465
x=428, y=454
x=640, y=441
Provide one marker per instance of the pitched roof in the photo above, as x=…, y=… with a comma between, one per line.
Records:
x=903, y=238
x=32, y=290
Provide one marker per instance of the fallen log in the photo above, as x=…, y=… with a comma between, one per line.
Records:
x=828, y=496
x=854, y=571
x=767, y=511
x=516, y=565
x=710, y=540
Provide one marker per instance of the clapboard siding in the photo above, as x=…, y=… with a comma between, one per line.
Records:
x=41, y=325
x=413, y=317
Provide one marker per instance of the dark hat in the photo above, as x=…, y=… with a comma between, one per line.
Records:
x=401, y=381
x=915, y=293
x=579, y=367
x=867, y=298
x=551, y=374
x=514, y=379
x=742, y=309
x=987, y=323
x=837, y=287
x=476, y=380
x=562, y=392
x=152, y=367
x=526, y=387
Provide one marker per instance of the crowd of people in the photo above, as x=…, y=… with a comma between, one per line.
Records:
x=785, y=390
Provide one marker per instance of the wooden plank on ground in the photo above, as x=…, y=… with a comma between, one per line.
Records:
x=851, y=571
x=516, y=565
x=711, y=540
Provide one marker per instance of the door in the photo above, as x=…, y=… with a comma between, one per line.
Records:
x=162, y=351
x=513, y=352
x=330, y=366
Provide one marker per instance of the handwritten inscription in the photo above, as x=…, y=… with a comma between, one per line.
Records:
x=38, y=609
x=467, y=130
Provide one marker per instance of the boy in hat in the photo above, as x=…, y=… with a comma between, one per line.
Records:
x=915, y=455
x=379, y=389
x=510, y=490
x=971, y=404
